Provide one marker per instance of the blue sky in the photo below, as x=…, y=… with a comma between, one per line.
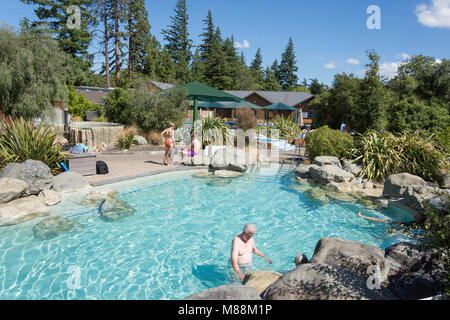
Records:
x=329, y=36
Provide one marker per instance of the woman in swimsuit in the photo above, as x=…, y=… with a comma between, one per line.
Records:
x=168, y=137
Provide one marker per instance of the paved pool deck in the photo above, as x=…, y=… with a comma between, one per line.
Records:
x=126, y=166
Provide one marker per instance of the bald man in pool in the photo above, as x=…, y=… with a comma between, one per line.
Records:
x=242, y=249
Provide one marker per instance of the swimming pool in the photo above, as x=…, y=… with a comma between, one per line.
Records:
x=178, y=240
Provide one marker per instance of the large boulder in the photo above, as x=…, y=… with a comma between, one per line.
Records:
x=227, y=292
x=141, y=141
x=313, y=281
x=352, y=168
x=396, y=185
x=302, y=170
x=50, y=197
x=329, y=173
x=231, y=159
x=52, y=227
x=21, y=210
x=351, y=255
x=261, y=280
x=403, y=256
x=11, y=189
x=35, y=173
x=69, y=181
x=326, y=160
x=416, y=195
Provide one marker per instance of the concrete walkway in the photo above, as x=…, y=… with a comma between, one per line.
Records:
x=140, y=164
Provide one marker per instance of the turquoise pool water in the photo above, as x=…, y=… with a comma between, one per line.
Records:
x=178, y=241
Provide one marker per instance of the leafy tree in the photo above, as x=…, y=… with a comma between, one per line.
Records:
x=288, y=68
x=179, y=45
x=79, y=104
x=411, y=115
x=33, y=73
x=118, y=106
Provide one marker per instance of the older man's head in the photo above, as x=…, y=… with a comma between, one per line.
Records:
x=250, y=229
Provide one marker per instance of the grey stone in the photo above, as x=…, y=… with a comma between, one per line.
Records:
x=35, y=173
x=416, y=285
x=312, y=281
x=350, y=167
x=351, y=255
x=69, y=181
x=300, y=259
x=326, y=160
x=52, y=227
x=302, y=170
x=113, y=209
x=21, y=210
x=140, y=140
x=396, y=185
x=403, y=256
x=261, y=280
x=11, y=189
x=50, y=197
x=446, y=181
x=329, y=173
x=227, y=292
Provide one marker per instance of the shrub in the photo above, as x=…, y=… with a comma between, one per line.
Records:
x=118, y=106
x=383, y=154
x=247, y=119
x=154, y=137
x=289, y=129
x=327, y=142
x=209, y=136
x=125, y=141
x=19, y=141
x=379, y=154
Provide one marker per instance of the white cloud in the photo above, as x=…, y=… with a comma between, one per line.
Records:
x=239, y=45
x=434, y=15
x=438, y=61
x=389, y=69
x=403, y=56
x=330, y=65
x=353, y=61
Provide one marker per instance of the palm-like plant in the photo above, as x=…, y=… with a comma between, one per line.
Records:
x=214, y=129
x=288, y=128
x=19, y=141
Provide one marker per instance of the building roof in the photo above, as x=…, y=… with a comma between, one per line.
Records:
x=94, y=94
x=291, y=99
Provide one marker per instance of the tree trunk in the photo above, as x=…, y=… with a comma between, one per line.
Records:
x=108, y=76
x=117, y=41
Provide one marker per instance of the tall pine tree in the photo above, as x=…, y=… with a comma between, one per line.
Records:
x=288, y=68
x=257, y=71
x=178, y=43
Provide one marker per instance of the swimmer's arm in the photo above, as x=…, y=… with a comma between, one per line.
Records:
x=259, y=253
x=373, y=219
x=234, y=257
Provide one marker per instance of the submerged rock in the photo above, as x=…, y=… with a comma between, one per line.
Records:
x=202, y=175
x=21, y=210
x=50, y=197
x=113, y=209
x=52, y=227
x=227, y=174
x=219, y=182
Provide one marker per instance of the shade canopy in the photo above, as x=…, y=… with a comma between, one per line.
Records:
x=280, y=106
x=211, y=105
x=241, y=105
x=203, y=92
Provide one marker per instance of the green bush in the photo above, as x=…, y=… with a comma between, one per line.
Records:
x=118, y=106
x=125, y=141
x=79, y=104
x=19, y=141
x=383, y=154
x=328, y=142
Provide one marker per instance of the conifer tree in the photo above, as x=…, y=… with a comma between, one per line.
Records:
x=178, y=43
x=288, y=68
x=257, y=71
x=270, y=81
